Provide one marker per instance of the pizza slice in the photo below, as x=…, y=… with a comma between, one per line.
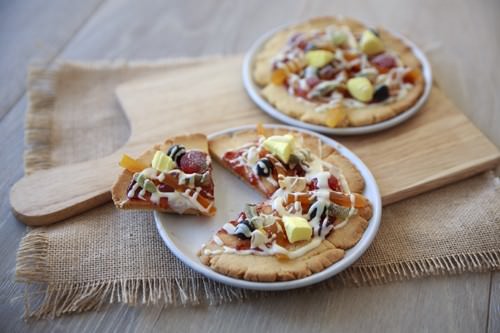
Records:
x=264, y=156
x=175, y=176
x=314, y=209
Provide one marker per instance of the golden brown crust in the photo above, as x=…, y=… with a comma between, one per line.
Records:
x=305, y=110
x=347, y=236
x=271, y=269
x=119, y=189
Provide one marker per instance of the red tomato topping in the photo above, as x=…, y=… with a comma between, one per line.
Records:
x=384, y=62
x=300, y=93
x=194, y=162
x=312, y=81
x=333, y=183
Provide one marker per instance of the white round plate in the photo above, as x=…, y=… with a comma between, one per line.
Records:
x=254, y=92
x=184, y=235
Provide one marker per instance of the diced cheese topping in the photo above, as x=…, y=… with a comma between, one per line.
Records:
x=297, y=228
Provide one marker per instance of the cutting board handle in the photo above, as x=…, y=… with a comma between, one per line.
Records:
x=52, y=195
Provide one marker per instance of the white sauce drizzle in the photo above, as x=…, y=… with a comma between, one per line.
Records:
x=393, y=79
x=217, y=240
x=178, y=201
x=260, y=243
x=229, y=228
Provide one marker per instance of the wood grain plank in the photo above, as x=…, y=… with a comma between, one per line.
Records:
x=436, y=147
x=30, y=32
x=11, y=231
x=171, y=29
x=494, y=311
x=452, y=304
x=432, y=305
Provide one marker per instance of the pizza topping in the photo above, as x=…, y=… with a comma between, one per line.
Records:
x=293, y=184
x=319, y=58
x=244, y=229
x=290, y=65
x=328, y=72
x=162, y=162
x=297, y=228
x=132, y=164
x=175, y=152
x=412, y=76
x=149, y=186
x=311, y=199
x=370, y=43
x=381, y=93
x=280, y=145
x=194, y=161
x=384, y=62
x=316, y=66
x=166, y=186
x=258, y=238
x=318, y=209
x=338, y=37
x=336, y=116
x=339, y=211
x=360, y=88
x=141, y=177
x=264, y=167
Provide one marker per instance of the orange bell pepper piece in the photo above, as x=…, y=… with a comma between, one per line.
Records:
x=132, y=164
x=278, y=76
x=413, y=76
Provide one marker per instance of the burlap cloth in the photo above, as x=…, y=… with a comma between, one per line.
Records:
x=107, y=255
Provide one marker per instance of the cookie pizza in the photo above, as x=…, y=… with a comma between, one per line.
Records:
x=337, y=72
x=313, y=209
x=172, y=177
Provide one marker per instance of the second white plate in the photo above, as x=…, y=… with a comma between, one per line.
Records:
x=254, y=92
x=184, y=235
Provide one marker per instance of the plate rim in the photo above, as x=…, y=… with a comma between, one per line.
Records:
x=254, y=92
x=353, y=255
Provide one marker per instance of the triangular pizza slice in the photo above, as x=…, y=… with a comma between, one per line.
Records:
x=313, y=212
x=175, y=176
x=260, y=156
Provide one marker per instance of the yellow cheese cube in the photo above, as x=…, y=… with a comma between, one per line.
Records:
x=162, y=162
x=319, y=58
x=280, y=146
x=297, y=228
x=360, y=88
x=370, y=44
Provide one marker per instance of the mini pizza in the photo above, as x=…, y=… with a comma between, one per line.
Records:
x=313, y=212
x=173, y=177
x=336, y=72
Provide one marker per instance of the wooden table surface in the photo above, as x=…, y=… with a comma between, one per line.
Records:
x=461, y=40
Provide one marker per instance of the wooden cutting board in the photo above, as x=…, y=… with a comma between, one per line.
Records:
x=436, y=147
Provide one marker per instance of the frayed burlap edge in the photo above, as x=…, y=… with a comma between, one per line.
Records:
x=53, y=300
x=449, y=265
x=38, y=123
